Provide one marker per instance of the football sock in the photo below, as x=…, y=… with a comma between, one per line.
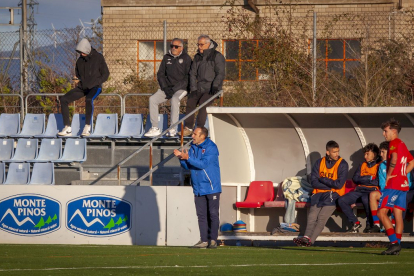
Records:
x=398, y=235
x=375, y=218
x=391, y=235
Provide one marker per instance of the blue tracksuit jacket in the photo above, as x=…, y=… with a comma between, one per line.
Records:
x=204, y=165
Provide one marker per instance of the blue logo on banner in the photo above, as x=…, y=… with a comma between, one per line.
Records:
x=29, y=214
x=98, y=215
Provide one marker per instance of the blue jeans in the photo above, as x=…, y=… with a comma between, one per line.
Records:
x=207, y=208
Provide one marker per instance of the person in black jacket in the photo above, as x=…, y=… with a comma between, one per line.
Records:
x=173, y=80
x=328, y=179
x=91, y=72
x=206, y=79
x=365, y=177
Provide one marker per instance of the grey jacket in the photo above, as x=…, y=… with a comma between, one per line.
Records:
x=207, y=70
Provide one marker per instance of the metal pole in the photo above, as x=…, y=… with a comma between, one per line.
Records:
x=165, y=37
x=150, y=164
x=24, y=35
x=21, y=48
x=314, y=60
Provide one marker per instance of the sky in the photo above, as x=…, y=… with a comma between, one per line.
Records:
x=62, y=13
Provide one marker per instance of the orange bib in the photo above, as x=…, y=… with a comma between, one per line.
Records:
x=331, y=173
x=365, y=170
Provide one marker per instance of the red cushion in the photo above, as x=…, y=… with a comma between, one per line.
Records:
x=349, y=186
x=249, y=204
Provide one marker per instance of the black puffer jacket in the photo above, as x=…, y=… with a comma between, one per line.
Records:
x=174, y=71
x=91, y=70
x=207, y=70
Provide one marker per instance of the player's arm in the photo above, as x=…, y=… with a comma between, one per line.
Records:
x=393, y=162
x=340, y=181
x=410, y=166
x=382, y=176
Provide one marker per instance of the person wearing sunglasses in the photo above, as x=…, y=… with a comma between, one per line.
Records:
x=206, y=79
x=172, y=77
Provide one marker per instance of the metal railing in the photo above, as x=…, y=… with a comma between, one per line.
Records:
x=121, y=106
x=130, y=95
x=149, y=144
x=21, y=102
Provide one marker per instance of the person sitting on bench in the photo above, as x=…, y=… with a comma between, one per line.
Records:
x=365, y=177
x=328, y=179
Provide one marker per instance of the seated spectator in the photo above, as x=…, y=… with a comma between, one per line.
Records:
x=366, y=179
x=328, y=180
x=173, y=80
x=206, y=79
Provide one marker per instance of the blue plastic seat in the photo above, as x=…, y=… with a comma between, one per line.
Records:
x=74, y=151
x=34, y=124
x=131, y=126
x=9, y=124
x=2, y=172
x=18, y=174
x=54, y=125
x=162, y=124
x=6, y=149
x=50, y=150
x=26, y=149
x=105, y=125
x=43, y=174
x=78, y=123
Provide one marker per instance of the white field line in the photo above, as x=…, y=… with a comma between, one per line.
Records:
x=191, y=266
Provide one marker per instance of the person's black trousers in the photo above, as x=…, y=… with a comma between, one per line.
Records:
x=350, y=198
x=197, y=98
x=207, y=208
x=75, y=94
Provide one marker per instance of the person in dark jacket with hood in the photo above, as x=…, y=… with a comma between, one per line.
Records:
x=203, y=161
x=91, y=71
x=365, y=177
x=173, y=80
x=206, y=79
x=328, y=179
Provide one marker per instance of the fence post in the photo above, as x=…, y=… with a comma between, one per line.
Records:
x=165, y=37
x=314, y=60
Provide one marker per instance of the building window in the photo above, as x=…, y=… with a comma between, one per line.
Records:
x=240, y=63
x=340, y=55
x=149, y=57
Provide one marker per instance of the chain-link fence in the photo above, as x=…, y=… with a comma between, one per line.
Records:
x=363, y=59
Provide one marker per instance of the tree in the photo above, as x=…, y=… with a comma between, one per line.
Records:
x=49, y=220
x=41, y=223
x=110, y=224
x=119, y=221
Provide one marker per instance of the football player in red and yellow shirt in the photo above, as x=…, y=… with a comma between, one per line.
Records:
x=399, y=163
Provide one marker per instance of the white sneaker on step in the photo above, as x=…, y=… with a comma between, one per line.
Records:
x=86, y=130
x=154, y=131
x=67, y=130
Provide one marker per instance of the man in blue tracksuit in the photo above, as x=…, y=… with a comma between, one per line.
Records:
x=202, y=160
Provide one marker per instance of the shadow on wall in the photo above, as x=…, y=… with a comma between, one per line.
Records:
x=147, y=219
x=355, y=161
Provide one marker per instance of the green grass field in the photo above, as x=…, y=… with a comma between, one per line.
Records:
x=227, y=260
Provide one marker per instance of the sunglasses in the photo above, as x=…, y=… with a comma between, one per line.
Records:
x=200, y=45
x=175, y=46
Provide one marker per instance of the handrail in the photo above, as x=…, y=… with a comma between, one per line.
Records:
x=168, y=158
x=62, y=94
x=162, y=134
x=21, y=101
x=133, y=94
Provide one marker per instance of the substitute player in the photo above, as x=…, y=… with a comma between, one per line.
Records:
x=396, y=185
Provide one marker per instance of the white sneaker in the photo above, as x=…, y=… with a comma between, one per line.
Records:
x=154, y=131
x=67, y=130
x=171, y=133
x=86, y=130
